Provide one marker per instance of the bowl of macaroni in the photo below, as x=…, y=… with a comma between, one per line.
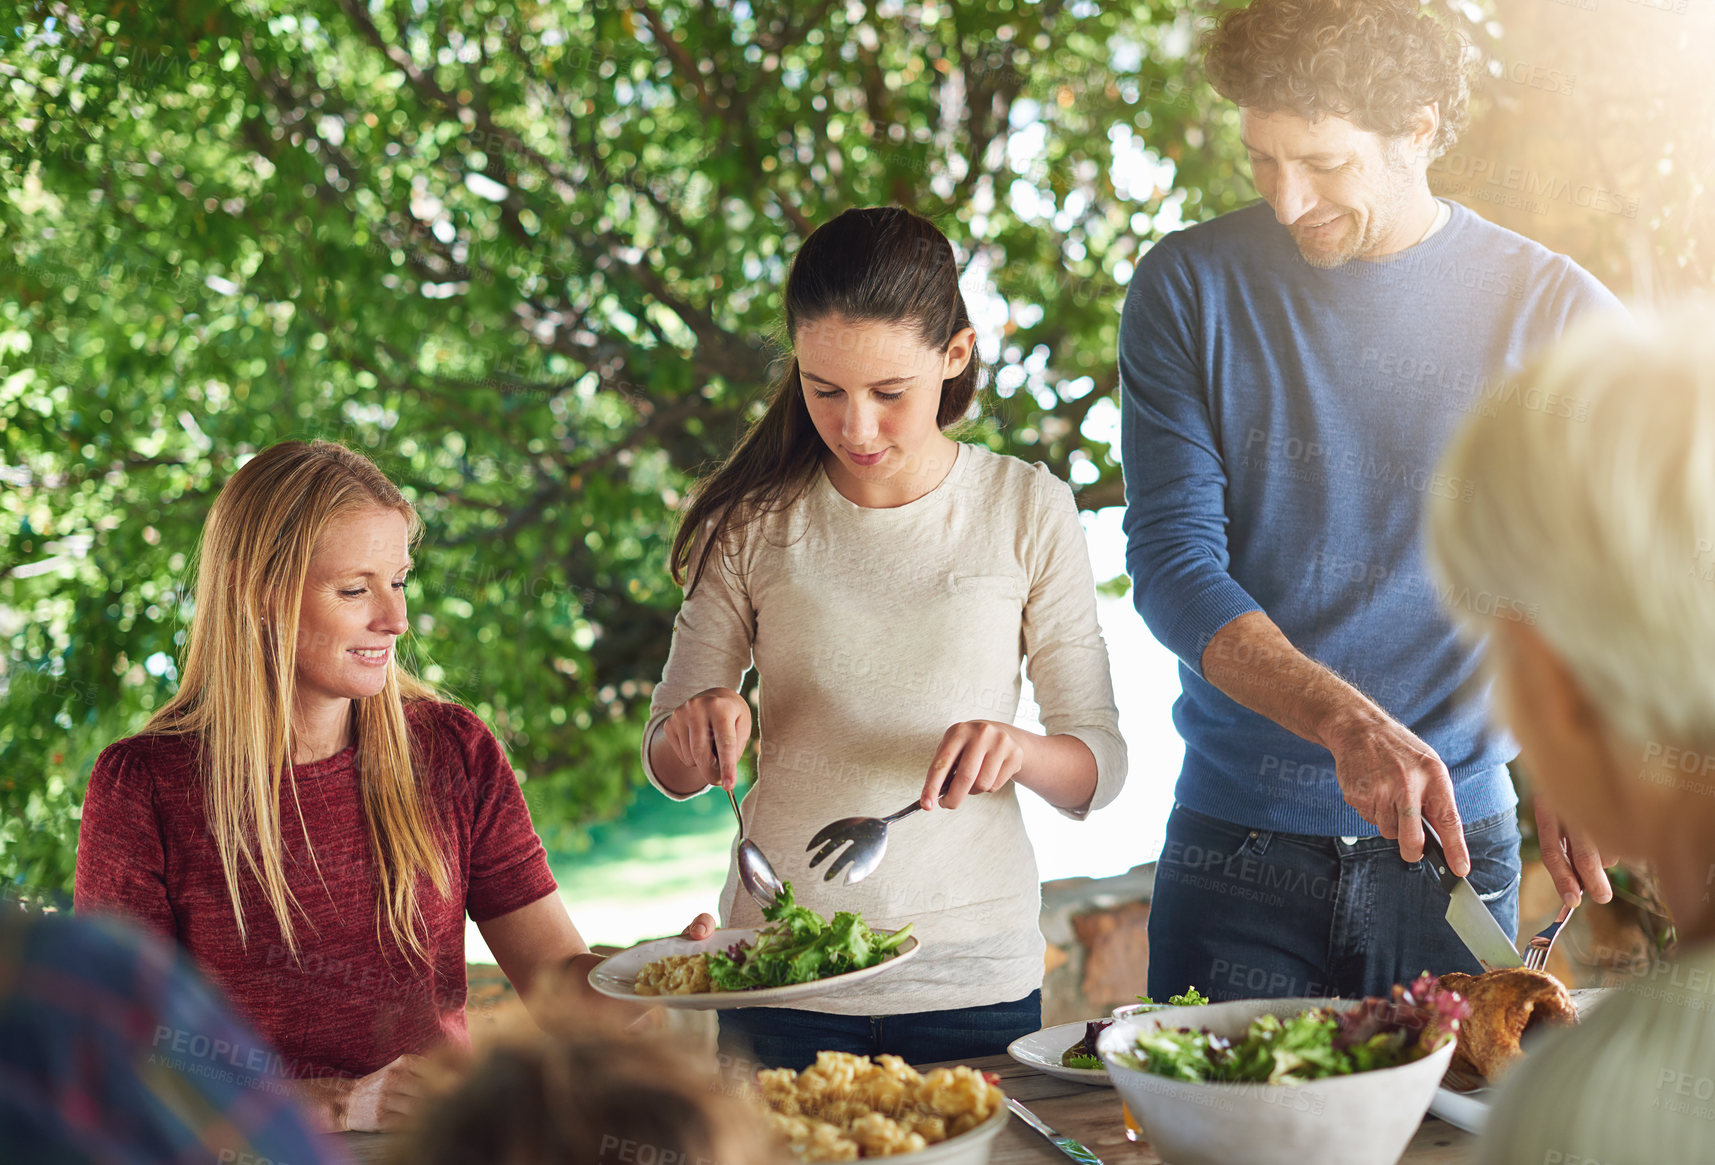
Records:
x=844, y=1107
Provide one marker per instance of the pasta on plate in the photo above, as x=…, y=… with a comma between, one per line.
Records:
x=675, y=975
x=844, y=1107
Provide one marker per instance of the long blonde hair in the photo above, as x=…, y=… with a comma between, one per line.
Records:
x=240, y=681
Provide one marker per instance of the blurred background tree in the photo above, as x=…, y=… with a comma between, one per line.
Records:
x=528, y=257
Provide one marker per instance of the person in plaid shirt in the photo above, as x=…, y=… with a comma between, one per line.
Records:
x=114, y=1049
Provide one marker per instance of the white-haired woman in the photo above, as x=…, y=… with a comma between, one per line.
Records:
x=306, y=818
x=1595, y=511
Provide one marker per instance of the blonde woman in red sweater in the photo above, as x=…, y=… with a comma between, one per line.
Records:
x=307, y=818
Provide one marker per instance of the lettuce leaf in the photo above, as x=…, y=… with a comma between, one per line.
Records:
x=800, y=946
x=1409, y=1024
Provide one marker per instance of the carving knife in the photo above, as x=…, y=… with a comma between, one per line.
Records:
x=1466, y=914
x=1067, y=1145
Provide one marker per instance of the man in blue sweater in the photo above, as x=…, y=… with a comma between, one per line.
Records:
x=1289, y=375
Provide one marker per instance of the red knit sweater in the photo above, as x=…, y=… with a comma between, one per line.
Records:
x=351, y=1001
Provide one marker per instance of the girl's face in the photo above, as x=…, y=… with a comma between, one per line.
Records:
x=873, y=390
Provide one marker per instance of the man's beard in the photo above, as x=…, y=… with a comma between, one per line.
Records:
x=1328, y=260
x=1384, y=214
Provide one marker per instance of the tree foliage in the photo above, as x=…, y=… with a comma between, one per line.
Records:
x=527, y=256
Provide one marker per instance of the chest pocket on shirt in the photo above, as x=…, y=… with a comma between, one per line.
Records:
x=989, y=586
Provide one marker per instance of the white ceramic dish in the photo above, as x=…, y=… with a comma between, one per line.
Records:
x=1469, y=1110
x=970, y=1148
x=616, y=974
x=1366, y=1118
x=1462, y=1110
x=1042, y=1051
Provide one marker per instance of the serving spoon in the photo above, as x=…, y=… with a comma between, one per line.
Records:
x=754, y=871
x=759, y=879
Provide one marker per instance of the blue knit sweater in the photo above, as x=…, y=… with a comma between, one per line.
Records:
x=1281, y=427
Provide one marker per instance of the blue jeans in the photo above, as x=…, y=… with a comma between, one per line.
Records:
x=1242, y=913
x=783, y=1037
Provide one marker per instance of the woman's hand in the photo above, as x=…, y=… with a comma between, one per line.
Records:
x=708, y=732
x=978, y=756
x=387, y=1100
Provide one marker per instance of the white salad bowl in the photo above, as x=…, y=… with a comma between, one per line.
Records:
x=1367, y=1118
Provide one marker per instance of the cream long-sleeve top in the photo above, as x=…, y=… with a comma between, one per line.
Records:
x=1632, y=1084
x=873, y=631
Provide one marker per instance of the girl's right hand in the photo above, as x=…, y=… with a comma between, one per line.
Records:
x=708, y=732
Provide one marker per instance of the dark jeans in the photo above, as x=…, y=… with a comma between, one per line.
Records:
x=783, y=1037
x=1246, y=914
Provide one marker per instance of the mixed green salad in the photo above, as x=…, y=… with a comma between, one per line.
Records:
x=1191, y=998
x=801, y=946
x=1083, y=1053
x=1379, y=1033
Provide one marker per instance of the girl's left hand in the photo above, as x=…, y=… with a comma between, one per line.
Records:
x=978, y=756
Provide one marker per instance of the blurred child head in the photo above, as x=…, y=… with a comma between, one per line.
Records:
x=603, y=1099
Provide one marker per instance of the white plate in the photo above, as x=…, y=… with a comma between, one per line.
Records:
x=1465, y=1110
x=616, y=974
x=1042, y=1050
x=1470, y=1110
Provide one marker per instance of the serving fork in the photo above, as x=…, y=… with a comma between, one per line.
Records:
x=1536, y=953
x=868, y=837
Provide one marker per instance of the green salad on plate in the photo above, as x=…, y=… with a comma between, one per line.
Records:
x=800, y=946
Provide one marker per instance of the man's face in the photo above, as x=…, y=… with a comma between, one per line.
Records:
x=1339, y=189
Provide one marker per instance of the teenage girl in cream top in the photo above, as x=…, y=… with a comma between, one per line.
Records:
x=887, y=582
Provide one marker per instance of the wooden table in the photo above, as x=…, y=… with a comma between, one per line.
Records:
x=1092, y=1115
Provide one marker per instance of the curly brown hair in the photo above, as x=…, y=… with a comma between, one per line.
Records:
x=1373, y=62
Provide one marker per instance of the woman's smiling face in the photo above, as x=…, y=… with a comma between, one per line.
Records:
x=353, y=606
x=873, y=391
